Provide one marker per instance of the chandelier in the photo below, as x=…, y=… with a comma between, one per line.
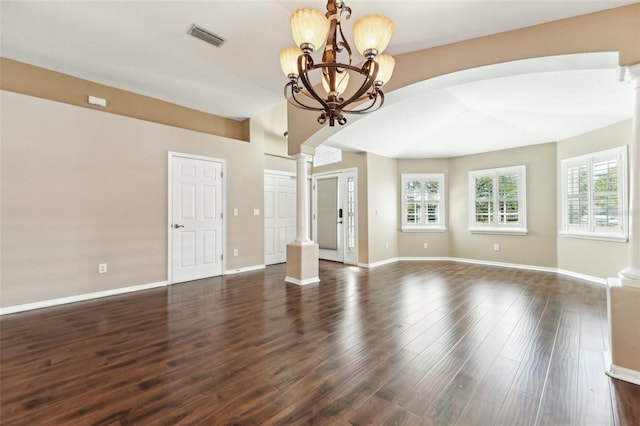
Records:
x=311, y=30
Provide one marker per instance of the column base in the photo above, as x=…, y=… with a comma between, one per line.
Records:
x=623, y=306
x=630, y=276
x=302, y=263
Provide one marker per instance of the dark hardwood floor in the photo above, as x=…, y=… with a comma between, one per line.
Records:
x=407, y=343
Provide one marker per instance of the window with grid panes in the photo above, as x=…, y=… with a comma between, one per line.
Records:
x=497, y=200
x=593, y=195
x=423, y=202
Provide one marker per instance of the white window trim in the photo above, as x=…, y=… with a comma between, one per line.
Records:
x=495, y=228
x=424, y=227
x=620, y=153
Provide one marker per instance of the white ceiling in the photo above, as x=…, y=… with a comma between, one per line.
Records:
x=143, y=46
x=491, y=108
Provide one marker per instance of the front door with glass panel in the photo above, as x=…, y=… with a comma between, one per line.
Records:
x=334, y=217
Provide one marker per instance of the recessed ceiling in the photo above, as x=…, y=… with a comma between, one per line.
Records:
x=495, y=107
x=143, y=46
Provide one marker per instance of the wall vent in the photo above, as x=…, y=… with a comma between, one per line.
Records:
x=209, y=37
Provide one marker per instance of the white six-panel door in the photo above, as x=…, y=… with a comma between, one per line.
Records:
x=279, y=215
x=195, y=218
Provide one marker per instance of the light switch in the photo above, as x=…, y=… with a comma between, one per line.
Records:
x=256, y=212
x=235, y=212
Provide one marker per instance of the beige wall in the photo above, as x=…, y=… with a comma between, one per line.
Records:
x=596, y=258
x=357, y=160
x=542, y=246
x=538, y=247
x=411, y=244
x=27, y=79
x=383, y=186
x=81, y=187
x=268, y=128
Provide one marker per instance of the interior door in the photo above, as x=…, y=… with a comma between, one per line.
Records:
x=334, y=218
x=196, y=220
x=279, y=216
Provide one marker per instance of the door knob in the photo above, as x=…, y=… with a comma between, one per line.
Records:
x=176, y=226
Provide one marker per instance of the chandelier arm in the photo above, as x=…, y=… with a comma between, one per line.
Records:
x=378, y=95
x=366, y=85
x=305, y=81
x=328, y=54
x=323, y=65
x=293, y=100
x=344, y=44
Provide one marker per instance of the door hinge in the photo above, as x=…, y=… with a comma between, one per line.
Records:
x=222, y=257
x=221, y=215
x=221, y=174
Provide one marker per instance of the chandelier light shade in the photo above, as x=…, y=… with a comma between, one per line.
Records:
x=347, y=88
x=289, y=60
x=386, y=64
x=341, y=86
x=309, y=26
x=372, y=33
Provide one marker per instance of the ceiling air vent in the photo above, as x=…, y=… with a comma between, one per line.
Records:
x=202, y=34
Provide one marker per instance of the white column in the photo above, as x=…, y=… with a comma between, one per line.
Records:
x=302, y=198
x=632, y=271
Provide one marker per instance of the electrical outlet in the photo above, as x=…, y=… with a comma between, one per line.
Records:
x=425, y=245
x=102, y=268
x=386, y=245
x=496, y=247
x=235, y=252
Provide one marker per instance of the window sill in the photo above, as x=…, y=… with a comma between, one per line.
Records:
x=594, y=236
x=500, y=231
x=425, y=229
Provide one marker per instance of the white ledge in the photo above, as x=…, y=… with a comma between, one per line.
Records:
x=425, y=229
x=595, y=236
x=502, y=231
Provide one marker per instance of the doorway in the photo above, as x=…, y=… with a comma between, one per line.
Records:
x=335, y=216
x=279, y=215
x=196, y=220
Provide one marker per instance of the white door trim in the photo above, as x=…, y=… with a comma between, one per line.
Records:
x=223, y=162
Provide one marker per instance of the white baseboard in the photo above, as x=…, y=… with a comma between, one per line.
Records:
x=302, y=282
x=621, y=373
x=425, y=259
x=82, y=297
x=79, y=298
x=601, y=281
x=585, y=277
x=380, y=263
x=246, y=269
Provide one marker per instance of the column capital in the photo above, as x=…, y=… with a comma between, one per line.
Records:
x=302, y=156
x=633, y=74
